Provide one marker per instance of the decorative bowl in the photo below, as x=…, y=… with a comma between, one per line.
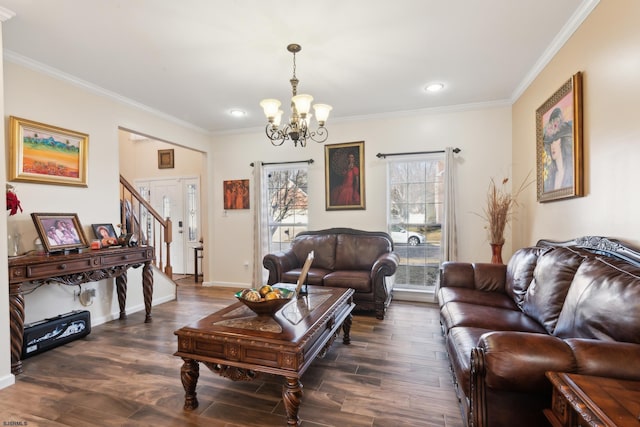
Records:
x=267, y=307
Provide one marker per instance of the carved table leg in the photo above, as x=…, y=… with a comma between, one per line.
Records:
x=189, y=374
x=121, y=288
x=147, y=289
x=291, y=395
x=16, y=316
x=346, y=328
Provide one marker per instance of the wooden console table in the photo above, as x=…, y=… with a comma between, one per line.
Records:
x=29, y=272
x=587, y=401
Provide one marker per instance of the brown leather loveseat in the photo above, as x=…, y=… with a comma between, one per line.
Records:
x=565, y=307
x=343, y=258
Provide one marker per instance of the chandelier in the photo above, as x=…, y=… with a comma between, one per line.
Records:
x=298, y=129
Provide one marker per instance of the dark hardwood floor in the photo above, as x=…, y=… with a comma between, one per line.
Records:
x=394, y=373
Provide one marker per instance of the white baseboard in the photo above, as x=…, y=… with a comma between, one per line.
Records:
x=7, y=380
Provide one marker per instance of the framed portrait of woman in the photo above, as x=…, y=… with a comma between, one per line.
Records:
x=344, y=176
x=559, y=143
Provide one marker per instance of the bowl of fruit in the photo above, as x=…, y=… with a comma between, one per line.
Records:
x=266, y=300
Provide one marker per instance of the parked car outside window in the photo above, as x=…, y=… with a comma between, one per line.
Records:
x=402, y=235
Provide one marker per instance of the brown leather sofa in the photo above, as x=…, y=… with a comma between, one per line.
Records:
x=566, y=307
x=343, y=258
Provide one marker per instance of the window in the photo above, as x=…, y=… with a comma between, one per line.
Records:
x=287, y=204
x=415, y=209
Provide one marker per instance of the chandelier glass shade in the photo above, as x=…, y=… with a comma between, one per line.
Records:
x=298, y=129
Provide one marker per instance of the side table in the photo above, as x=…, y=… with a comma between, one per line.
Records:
x=581, y=400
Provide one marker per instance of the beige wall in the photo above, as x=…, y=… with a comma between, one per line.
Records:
x=484, y=135
x=606, y=48
x=39, y=97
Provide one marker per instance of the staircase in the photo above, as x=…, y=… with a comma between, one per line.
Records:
x=146, y=226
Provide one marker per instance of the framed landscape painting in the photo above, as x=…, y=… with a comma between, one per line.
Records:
x=344, y=176
x=46, y=154
x=559, y=169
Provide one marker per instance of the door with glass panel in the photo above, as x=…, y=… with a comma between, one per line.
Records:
x=414, y=218
x=178, y=199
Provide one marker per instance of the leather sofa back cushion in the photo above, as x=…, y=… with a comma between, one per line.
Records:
x=324, y=247
x=603, y=303
x=359, y=252
x=520, y=272
x=551, y=280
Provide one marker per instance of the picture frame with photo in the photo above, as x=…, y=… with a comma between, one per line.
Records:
x=106, y=234
x=59, y=231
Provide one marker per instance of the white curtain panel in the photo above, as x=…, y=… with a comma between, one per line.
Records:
x=449, y=226
x=449, y=239
x=260, y=242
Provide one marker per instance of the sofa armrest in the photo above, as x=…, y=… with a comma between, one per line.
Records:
x=385, y=265
x=481, y=276
x=278, y=263
x=517, y=361
x=606, y=358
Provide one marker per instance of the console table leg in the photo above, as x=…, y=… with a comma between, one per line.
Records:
x=346, y=329
x=16, y=320
x=189, y=374
x=147, y=289
x=121, y=289
x=291, y=395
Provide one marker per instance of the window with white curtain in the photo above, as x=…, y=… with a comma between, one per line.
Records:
x=286, y=207
x=415, y=217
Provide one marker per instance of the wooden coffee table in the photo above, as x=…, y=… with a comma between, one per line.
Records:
x=238, y=344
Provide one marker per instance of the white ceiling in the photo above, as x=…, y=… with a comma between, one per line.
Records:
x=195, y=60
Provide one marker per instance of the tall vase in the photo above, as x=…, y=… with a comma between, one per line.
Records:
x=496, y=253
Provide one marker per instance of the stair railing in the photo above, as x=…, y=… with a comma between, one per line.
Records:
x=146, y=225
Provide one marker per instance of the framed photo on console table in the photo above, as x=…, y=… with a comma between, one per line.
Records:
x=559, y=143
x=46, y=154
x=344, y=176
x=59, y=231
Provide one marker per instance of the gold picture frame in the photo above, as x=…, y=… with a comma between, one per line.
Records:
x=59, y=231
x=559, y=143
x=344, y=176
x=165, y=159
x=46, y=154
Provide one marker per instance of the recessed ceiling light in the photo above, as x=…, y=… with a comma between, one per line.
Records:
x=237, y=113
x=434, y=87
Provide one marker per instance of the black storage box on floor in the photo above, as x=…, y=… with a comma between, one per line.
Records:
x=49, y=333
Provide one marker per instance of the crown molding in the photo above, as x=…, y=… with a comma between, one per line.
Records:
x=556, y=44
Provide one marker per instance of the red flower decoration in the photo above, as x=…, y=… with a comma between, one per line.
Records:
x=13, y=203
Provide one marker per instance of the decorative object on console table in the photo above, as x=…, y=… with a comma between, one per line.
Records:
x=59, y=231
x=106, y=234
x=344, y=176
x=559, y=143
x=47, y=154
x=165, y=159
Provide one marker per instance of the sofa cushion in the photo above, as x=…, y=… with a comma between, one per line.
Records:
x=358, y=280
x=493, y=299
x=314, y=277
x=324, y=247
x=357, y=252
x=520, y=272
x=602, y=303
x=494, y=318
x=551, y=280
